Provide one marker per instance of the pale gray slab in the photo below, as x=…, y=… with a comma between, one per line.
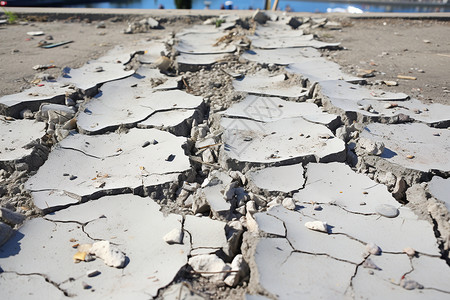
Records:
x=178, y=122
x=291, y=275
x=267, y=109
x=152, y=51
x=32, y=98
x=32, y=286
x=280, y=56
x=320, y=69
x=199, y=60
x=289, y=42
x=120, y=54
x=203, y=43
x=269, y=224
x=337, y=183
x=440, y=189
x=112, y=162
x=277, y=29
x=303, y=239
x=286, y=140
x=88, y=76
x=284, y=179
x=152, y=263
x=15, y=135
x=205, y=232
x=427, y=145
x=390, y=234
x=431, y=272
x=120, y=103
x=270, y=86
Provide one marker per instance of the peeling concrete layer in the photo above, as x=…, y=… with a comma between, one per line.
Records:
x=90, y=166
x=281, y=56
x=270, y=86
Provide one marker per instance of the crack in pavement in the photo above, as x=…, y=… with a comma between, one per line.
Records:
x=46, y=278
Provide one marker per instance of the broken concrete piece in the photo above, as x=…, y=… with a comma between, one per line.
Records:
x=177, y=121
x=319, y=69
x=260, y=17
x=93, y=161
x=175, y=236
x=440, y=189
x=338, y=184
x=387, y=210
x=119, y=103
x=239, y=269
x=289, y=42
x=270, y=86
x=283, y=179
x=203, y=43
x=17, y=138
x=412, y=146
x=370, y=147
x=288, y=203
x=251, y=142
x=317, y=226
x=110, y=254
x=372, y=248
x=267, y=109
x=284, y=56
x=210, y=266
x=206, y=233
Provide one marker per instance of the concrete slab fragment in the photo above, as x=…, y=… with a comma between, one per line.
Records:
x=152, y=51
x=289, y=42
x=32, y=98
x=336, y=183
x=87, y=166
x=93, y=73
x=177, y=122
x=440, y=189
x=120, y=103
x=437, y=279
x=284, y=179
x=203, y=43
x=320, y=69
x=206, y=233
x=270, y=224
x=412, y=146
x=16, y=136
x=152, y=263
x=282, y=56
x=248, y=141
x=279, y=272
x=305, y=240
x=390, y=234
x=270, y=86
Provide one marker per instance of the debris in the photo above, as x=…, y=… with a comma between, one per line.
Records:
x=48, y=46
x=372, y=248
x=35, y=33
x=317, y=226
x=390, y=82
x=409, y=284
x=210, y=266
x=10, y=217
x=110, y=254
x=175, y=236
x=409, y=251
x=289, y=203
x=406, y=77
x=92, y=273
x=5, y=233
x=44, y=67
x=368, y=263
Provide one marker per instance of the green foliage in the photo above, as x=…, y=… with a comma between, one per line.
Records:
x=219, y=22
x=12, y=17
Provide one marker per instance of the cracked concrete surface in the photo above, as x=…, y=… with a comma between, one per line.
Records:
x=225, y=167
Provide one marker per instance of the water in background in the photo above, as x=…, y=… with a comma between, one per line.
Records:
x=298, y=6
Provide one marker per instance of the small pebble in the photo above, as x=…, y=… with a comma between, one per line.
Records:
x=409, y=251
x=362, y=203
x=317, y=207
x=409, y=284
x=372, y=248
x=387, y=210
x=146, y=144
x=73, y=177
x=289, y=203
x=317, y=226
x=92, y=273
x=85, y=285
x=368, y=263
x=410, y=156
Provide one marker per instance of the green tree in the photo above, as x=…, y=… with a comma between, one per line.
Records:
x=183, y=4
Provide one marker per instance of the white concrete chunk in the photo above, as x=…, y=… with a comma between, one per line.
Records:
x=203, y=43
x=206, y=233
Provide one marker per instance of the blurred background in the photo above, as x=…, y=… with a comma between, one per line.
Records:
x=352, y=6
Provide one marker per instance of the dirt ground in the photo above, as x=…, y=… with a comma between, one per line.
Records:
x=391, y=47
